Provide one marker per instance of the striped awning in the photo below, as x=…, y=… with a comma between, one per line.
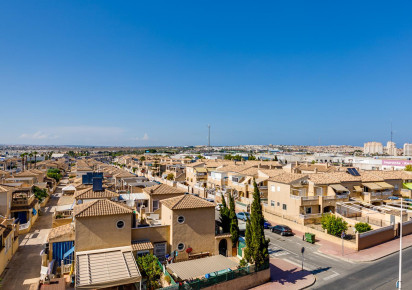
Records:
x=372, y=186
x=339, y=188
x=385, y=185
x=106, y=268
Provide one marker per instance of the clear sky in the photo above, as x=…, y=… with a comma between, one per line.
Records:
x=157, y=72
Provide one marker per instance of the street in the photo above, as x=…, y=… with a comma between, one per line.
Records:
x=335, y=273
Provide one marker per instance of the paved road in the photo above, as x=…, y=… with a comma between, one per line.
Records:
x=327, y=269
x=334, y=273
x=23, y=271
x=381, y=274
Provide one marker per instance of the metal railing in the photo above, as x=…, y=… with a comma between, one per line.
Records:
x=216, y=278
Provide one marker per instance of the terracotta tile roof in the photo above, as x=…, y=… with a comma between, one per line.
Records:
x=142, y=245
x=162, y=189
x=187, y=201
x=392, y=174
x=252, y=171
x=318, y=167
x=195, y=164
x=233, y=168
x=100, y=207
x=4, y=189
x=288, y=177
x=333, y=177
x=88, y=193
x=271, y=172
x=367, y=176
x=26, y=174
x=61, y=231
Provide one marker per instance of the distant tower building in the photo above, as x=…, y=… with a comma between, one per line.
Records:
x=407, y=149
x=373, y=148
x=208, y=138
x=391, y=148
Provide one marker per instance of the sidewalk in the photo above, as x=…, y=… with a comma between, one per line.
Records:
x=367, y=255
x=287, y=276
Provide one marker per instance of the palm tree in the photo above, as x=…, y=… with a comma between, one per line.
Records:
x=22, y=160
x=30, y=155
x=35, y=158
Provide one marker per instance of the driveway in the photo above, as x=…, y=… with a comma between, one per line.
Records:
x=23, y=271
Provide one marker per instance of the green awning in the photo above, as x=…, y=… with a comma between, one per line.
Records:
x=408, y=185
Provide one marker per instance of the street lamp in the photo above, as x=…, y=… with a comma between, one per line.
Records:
x=399, y=284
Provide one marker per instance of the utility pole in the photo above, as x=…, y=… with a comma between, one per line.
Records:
x=400, y=249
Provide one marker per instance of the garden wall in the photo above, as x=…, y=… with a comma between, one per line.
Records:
x=375, y=237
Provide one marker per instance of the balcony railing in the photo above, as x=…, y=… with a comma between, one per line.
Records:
x=310, y=215
x=23, y=200
x=25, y=226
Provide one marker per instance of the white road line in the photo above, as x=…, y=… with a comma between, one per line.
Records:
x=305, y=267
x=326, y=256
x=277, y=246
x=331, y=276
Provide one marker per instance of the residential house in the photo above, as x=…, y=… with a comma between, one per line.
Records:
x=159, y=192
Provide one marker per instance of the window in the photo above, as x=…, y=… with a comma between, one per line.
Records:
x=155, y=205
x=272, y=203
x=278, y=188
x=180, y=247
x=142, y=253
x=308, y=210
x=319, y=191
x=284, y=207
x=181, y=219
x=120, y=224
x=396, y=186
x=278, y=203
x=272, y=188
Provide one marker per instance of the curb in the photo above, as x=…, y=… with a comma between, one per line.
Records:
x=365, y=261
x=306, y=287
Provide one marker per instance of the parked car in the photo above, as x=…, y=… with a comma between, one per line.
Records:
x=266, y=224
x=218, y=206
x=282, y=230
x=243, y=216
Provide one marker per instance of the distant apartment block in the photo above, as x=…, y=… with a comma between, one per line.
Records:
x=373, y=148
x=391, y=148
x=407, y=149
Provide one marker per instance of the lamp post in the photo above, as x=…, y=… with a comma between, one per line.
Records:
x=400, y=249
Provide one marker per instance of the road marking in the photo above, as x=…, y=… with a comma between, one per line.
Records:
x=305, y=267
x=331, y=276
x=326, y=256
x=277, y=246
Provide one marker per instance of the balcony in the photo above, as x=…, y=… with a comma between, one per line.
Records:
x=22, y=200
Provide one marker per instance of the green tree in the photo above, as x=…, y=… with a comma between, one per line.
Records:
x=54, y=173
x=251, y=157
x=228, y=157
x=313, y=162
x=234, y=227
x=408, y=168
x=334, y=225
x=200, y=157
x=150, y=268
x=39, y=193
x=224, y=216
x=248, y=240
x=362, y=227
x=257, y=248
x=170, y=176
x=142, y=158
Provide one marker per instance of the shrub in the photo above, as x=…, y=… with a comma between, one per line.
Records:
x=334, y=225
x=150, y=268
x=39, y=193
x=168, y=280
x=362, y=227
x=242, y=263
x=170, y=176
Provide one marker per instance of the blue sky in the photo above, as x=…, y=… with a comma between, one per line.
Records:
x=156, y=73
